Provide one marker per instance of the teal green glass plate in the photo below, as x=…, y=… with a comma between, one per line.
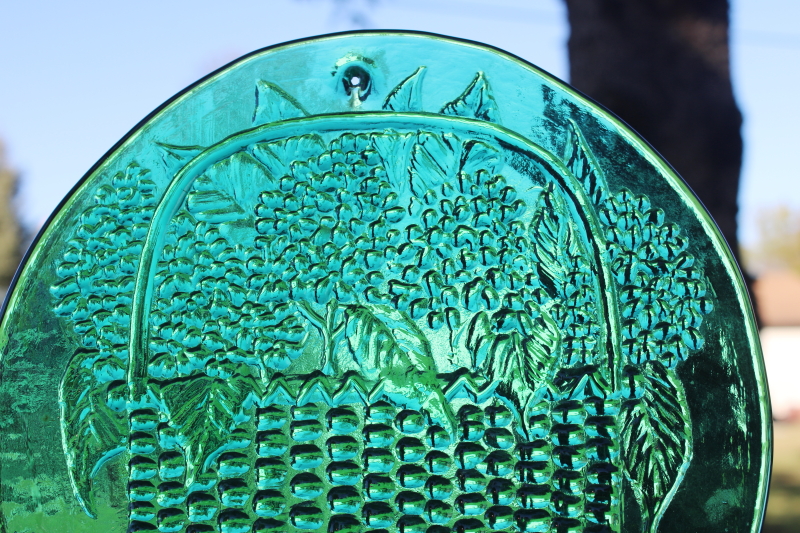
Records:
x=381, y=281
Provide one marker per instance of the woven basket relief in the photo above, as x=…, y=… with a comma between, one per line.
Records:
x=412, y=327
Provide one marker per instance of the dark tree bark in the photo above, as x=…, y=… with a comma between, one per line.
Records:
x=663, y=67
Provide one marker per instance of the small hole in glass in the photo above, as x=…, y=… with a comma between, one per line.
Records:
x=356, y=77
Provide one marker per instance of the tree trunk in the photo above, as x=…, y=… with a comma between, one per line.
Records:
x=663, y=67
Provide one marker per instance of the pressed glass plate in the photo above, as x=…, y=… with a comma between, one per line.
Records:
x=381, y=281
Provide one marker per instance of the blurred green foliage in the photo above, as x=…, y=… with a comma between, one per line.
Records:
x=10, y=230
x=778, y=244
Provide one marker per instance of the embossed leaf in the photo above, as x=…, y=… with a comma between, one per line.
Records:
x=581, y=162
x=434, y=161
x=205, y=410
x=394, y=149
x=553, y=240
x=224, y=191
x=477, y=101
x=570, y=288
x=274, y=104
x=478, y=338
x=92, y=432
x=175, y=157
x=407, y=96
x=286, y=157
x=381, y=337
x=389, y=343
x=513, y=348
x=657, y=442
x=411, y=342
x=478, y=156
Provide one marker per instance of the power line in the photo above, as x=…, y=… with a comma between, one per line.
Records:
x=520, y=12
x=485, y=10
x=496, y=10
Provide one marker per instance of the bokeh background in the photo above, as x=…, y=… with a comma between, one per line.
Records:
x=76, y=76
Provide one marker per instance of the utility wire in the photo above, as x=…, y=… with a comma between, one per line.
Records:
x=522, y=12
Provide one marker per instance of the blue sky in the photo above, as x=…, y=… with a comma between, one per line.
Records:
x=76, y=76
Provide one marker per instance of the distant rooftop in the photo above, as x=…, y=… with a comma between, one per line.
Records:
x=778, y=297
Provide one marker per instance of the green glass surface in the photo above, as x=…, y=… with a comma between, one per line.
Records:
x=381, y=281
